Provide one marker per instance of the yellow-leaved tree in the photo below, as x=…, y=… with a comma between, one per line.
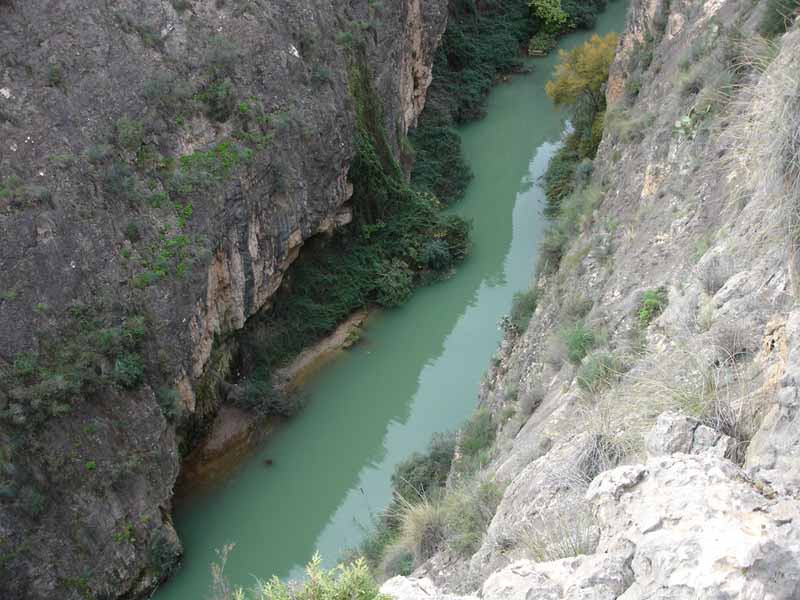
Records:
x=581, y=72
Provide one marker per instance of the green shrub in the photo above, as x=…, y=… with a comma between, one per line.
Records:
x=132, y=232
x=477, y=435
x=32, y=501
x=541, y=43
x=579, y=340
x=394, y=283
x=559, y=179
x=522, y=309
x=653, y=304
x=169, y=401
x=423, y=528
x=120, y=182
x=778, y=15
x=479, y=43
x=26, y=364
x=220, y=99
x=421, y=474
x=376, y=259
x=551, y=250
x=129, y=370
x=130, y=134
x=346, y=582
x=55, y=75
x=436, y=255
x=468, y=512
x=598, y=371
x=320, y=75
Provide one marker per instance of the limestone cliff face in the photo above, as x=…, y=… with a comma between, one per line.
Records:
x=692, y=200
x=165, y=159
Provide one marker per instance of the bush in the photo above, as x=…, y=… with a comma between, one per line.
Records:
x=599, y=370
x=522, y=309
x=551, y=250
x=423, y=529
x=559, y=179
x=129, y=371
x=550, y=14
x=55, y=75
x=345, y=582
x=653, y=304
x=583, y=71
x=541, y=43
x=132, y=232
x=120, y=182
x=579, y=340
x=778, y=15
x=477, y=435
x=436, y=255
x=421, y=474
x=220, y=99
x=469, y=510
x=130, y=134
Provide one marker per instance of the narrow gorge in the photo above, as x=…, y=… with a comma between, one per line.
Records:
x=561, y=291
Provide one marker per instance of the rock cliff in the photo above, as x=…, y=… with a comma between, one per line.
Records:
x=647, y=415
x=161, y=165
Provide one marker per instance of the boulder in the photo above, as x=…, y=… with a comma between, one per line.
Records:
x=674, y=432
x=408, y=588
x=594, y=577
x=697, y=527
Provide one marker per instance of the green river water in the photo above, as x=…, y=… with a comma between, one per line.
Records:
x=416, y=371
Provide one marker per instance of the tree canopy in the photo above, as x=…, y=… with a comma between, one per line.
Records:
x=583, y=71
x=550, y=13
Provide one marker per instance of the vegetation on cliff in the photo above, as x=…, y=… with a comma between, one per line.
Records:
x=399, y=238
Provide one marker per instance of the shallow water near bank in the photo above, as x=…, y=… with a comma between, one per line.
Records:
x=415, y=372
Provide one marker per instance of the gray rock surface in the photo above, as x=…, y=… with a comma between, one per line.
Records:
x=674, y=432
x=774, y=452
x=696, y=527
x=94, y=98
x=407, y=588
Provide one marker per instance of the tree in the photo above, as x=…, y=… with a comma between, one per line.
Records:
x=550, y=13
x=582, y=72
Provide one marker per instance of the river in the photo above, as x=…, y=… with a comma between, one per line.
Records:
x=415, y=372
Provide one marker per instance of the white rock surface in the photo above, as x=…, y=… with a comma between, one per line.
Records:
x=407, y=588
x=696, y=527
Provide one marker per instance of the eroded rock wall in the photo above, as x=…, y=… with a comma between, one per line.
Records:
x=92, y=95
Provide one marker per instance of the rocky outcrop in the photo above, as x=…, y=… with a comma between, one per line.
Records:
x=774, y=452
x=168, y=160
x=674, y=432
x=678, y=526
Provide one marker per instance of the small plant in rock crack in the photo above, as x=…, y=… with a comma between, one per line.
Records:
x=653, y=304
x=579, y=340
